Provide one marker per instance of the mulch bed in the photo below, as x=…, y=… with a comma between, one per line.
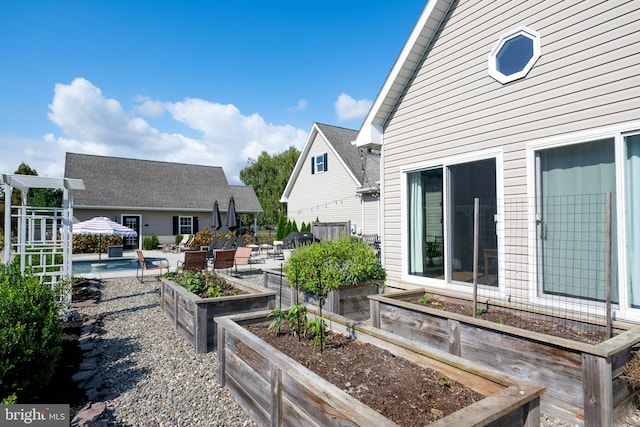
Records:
x=592, y=334
x=400, y=390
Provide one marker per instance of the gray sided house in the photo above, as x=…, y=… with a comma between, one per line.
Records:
x=335, y=181
x=534, y=109
x=153, y=197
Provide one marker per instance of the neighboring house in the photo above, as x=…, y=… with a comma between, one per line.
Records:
x=516, y=103
x=335, y=181
x=154, y=197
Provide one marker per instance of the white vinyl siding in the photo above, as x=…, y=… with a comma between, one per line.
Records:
x=329, y=196
x=588, y=77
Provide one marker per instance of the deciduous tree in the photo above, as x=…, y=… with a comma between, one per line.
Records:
x=268, y=175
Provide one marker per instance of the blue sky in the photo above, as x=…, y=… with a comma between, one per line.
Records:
x=203, y=82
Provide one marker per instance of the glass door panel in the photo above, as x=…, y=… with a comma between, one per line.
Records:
x=632, y=181
x=426, y=235
x=466, y=182
x=573, y=182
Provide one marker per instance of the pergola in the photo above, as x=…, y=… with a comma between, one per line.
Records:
x=42, y=233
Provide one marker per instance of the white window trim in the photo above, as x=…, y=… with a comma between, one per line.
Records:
x=521, y=31
x=180, y=224
x=617, y=133
x=498, y=155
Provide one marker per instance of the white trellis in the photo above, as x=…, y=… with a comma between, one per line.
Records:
x=43, y=238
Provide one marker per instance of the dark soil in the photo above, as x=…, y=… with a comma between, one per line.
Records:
x=402, y=391
x=535, y=323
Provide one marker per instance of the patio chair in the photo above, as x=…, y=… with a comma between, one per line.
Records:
x=220, y=243
x=230, y=242
x=184, y=244
x=239, y=242
x=148, y=264
x=194, y=260
x=223, y=258
x=243, y=257
x=209, y=249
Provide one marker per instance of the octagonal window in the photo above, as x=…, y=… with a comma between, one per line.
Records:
x=514, y=55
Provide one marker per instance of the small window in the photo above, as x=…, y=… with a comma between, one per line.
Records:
x=514, y=55
x=186, y=225
x=319, y=163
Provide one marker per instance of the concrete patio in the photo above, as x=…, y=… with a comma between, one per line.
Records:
x=173, y=258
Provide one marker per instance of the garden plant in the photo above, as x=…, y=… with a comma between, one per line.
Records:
x=320, y=268
x=30, y=333
x=203, y=284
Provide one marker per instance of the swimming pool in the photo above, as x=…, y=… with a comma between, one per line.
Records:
x=120, y=264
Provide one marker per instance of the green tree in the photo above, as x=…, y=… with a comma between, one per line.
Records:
x=40, y=197
x=268, y=175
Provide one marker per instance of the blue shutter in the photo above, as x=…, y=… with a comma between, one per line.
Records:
x=325, y=162
x=313, y=165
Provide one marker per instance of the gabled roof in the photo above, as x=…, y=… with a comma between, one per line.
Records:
x=362, y=166
x=116, y=182
x=416, y=46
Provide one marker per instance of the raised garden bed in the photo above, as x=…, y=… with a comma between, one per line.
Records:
x=276, y=390
x=582, y=381
x=348, y=301
x=194, y=317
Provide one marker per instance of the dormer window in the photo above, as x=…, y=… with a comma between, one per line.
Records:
x=319, y=164
x=514, y=55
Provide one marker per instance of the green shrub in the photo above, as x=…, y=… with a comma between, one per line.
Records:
x=90, y=243
x=150, y=242
x=30, y=332
x=333, y=263
x=319, y=268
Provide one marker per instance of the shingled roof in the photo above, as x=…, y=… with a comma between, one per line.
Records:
x=116, y=182
x=364, y=165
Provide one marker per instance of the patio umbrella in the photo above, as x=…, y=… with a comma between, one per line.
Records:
x=100, y=226
x=232, y=217
x=216, y=222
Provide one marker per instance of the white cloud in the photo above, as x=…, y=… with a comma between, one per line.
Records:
x=348, y=108
x=94, y=124
x=301, y=105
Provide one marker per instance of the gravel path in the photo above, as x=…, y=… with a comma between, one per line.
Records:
x=152, y=376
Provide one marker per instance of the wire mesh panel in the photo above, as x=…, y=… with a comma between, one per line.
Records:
x=551, y=259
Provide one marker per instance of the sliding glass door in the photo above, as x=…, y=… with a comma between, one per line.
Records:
x=632, y=182
x=431, y=251
x=426, y=242
x=573, y=181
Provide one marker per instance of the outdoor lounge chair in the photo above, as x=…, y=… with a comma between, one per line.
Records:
x=223, y=258
x=184, y=244
x=147, y=264
x=230, y=242
x=243, y=257
x=194, y=260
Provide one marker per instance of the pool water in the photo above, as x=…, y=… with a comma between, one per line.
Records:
x=83, y=267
